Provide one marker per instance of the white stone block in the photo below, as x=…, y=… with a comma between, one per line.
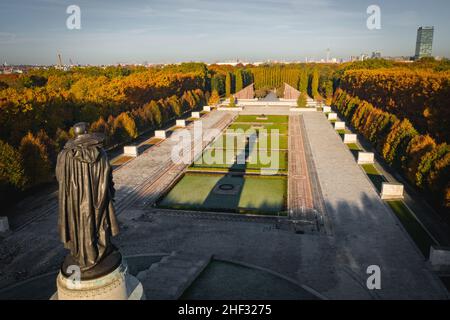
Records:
x=161, y=134
x=366, y=157
x=181, y=123
x=332, y=116
x=207, y=108
x=350, y=138
x=391, y=191
x=131, y=151
x=195, y=115
x=326, y=109
x=440, y=258
x=4, y=225
x=339, y=125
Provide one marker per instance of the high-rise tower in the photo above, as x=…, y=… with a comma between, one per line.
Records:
x=424, y=43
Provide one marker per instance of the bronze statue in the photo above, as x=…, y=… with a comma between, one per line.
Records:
x=86, y=212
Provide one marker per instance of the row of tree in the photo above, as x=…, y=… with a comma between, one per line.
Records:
x=316, y=81
x=423, y=161
x=422, y=96
x=32, y=162
x=69, y=98
x=38, y=110
x=228, y=81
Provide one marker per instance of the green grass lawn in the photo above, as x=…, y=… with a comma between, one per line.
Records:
x=262, y=195
x=230, y=141
x=415, y=230
x=270, y=119
x=256, y=159
x=282, y=128
x=353, y=146
x=354, y=149
x=374, y=176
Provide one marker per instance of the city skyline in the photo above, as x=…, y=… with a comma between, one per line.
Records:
x=198, y=30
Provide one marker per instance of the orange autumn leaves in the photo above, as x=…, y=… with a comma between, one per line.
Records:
x=424, y=162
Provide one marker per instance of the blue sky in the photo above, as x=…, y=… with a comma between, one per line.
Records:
x=33, y=32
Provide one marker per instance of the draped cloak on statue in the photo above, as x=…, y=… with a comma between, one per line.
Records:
x=86, y=192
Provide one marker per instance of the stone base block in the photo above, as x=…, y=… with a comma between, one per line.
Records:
x=326, y=109
x=350, y=138
x=181, y=123
x=117, y=285
x=339, y=125
x=332, y=116
x=207, y=108
x=4, y=225
x=440, y=258
x=195, y=115
x=391, y=191
x=130, y=151
x=160, y=134
x=366, y=157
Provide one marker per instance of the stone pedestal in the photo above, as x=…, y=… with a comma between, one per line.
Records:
x=116, y=285
x=4, y=225
x=339, y=125
x=195, y=115
x=332, y=116
x=350, y=138
x=160, y=134
x=440, y=258
x=326, y=109
x=366, y=157
x=181, y=123
x=391, y=191
x=131, y=151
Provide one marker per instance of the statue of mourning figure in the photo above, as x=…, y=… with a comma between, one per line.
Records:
x=94, y=268
x=87, y=218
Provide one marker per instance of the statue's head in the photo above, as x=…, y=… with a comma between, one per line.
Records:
x=80, y=128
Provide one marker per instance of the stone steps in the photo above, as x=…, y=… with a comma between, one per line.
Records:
x=169, y=278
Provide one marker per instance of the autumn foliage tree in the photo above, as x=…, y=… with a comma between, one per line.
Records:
x=424, y=163
x=36, y=162
x=12, y=173
x=214, y=99
x=228, y=83
x=302, y=100
x=239, y=81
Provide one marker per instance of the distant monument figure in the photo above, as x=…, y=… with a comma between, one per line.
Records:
x=94, y=268
x=86, y=212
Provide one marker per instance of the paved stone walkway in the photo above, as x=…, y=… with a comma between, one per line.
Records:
x=143, y=180
x=299, y=189
x=365, y=230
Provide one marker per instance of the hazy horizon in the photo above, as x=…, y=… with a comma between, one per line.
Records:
x=34, y=32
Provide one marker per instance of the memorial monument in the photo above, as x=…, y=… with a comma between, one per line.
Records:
x=94, y=267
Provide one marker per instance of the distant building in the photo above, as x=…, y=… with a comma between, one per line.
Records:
x=376, y=55
x=424, y=43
